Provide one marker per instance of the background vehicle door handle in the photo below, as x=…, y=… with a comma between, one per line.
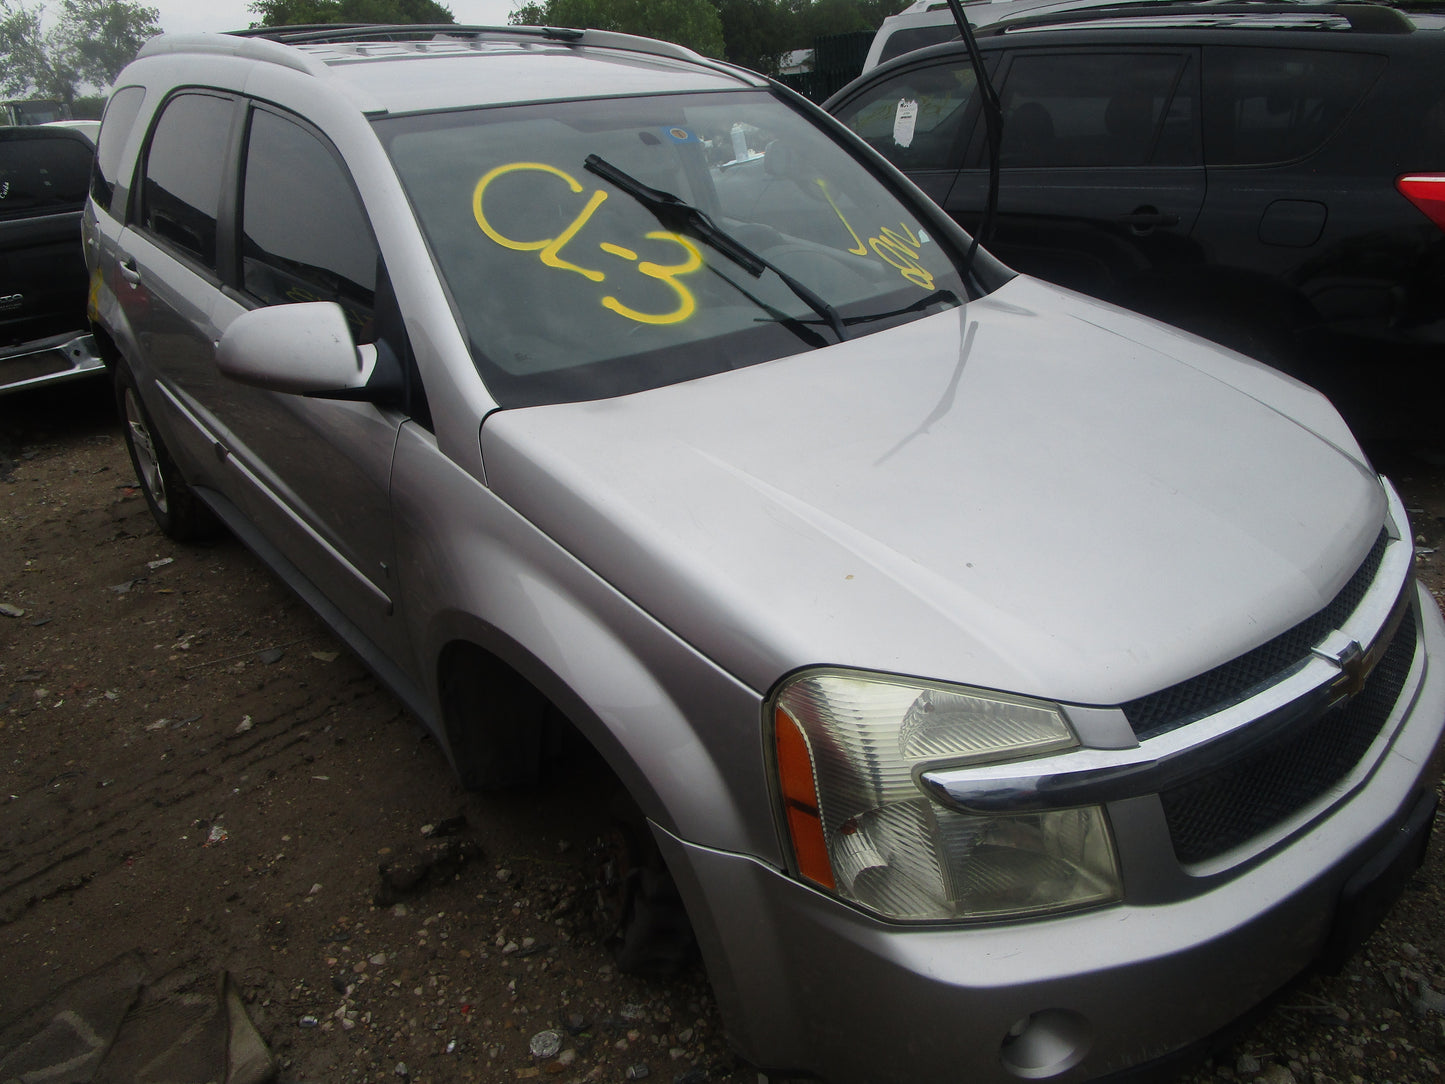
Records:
x=129, y=271
x=1147, y=218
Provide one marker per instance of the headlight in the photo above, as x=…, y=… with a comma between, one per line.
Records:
x=848, y=749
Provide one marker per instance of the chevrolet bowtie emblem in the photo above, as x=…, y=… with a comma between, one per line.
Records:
x=1355, y=665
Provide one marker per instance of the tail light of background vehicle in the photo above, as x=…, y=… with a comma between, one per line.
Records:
x=1427, y=192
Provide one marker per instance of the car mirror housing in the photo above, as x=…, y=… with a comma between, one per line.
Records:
x=303, y=349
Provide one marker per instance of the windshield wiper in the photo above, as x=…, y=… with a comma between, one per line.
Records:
x=682, y=217
x=938, y=297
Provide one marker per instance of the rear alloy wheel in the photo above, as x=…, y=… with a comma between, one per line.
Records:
x=178, y=512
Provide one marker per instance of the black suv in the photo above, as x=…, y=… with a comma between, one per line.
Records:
x=44, y=174
x=1270, y=176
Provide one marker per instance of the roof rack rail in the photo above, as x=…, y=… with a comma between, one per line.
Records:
x=289, y=45
x=331, y=33
x=342, y=33
x=1363, y=17
x=339, y=33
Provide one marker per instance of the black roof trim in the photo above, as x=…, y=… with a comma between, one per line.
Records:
x=1364, y=18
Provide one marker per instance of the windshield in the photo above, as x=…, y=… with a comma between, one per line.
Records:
x=718, y=231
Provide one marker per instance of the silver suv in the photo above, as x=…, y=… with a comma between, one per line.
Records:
x=1014, y=687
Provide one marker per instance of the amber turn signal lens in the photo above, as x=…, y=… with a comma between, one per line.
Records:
x=800, y=801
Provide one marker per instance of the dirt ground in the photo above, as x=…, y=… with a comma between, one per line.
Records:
x=196, y=778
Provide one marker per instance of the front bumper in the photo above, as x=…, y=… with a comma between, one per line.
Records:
x=50, y=361
x=809, y=984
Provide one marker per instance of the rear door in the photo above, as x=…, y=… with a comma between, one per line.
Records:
x=165, y=270
x=309, y=477
x=1101, y=176
x=1289, y=201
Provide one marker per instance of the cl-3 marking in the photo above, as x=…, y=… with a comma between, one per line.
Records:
x=549, y=249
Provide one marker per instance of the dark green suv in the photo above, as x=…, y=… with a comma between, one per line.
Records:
x=1269, y=176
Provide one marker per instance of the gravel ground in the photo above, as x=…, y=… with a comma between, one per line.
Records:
x=196, y=776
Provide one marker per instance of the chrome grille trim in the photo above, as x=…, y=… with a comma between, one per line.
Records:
x=1240, y=678
x=1373, y=606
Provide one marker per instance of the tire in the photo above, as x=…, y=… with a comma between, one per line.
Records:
x=496, y=722
x=644, y=923
x=178, y=512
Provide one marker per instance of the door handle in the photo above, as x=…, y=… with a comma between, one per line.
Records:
x=129, y=271
x=1144, y=219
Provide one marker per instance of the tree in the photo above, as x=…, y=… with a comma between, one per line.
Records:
x=89, y=44
x=302, y=12
x=823, y=18
x=693, y=23
x=756, y=33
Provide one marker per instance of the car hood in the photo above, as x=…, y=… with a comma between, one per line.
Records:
x=1035, y=493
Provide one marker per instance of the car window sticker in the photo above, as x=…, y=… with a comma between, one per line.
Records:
x=905, y=120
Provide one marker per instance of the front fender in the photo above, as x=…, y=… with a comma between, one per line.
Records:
x=684, y=737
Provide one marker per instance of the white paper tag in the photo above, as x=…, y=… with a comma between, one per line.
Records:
x=904, y=121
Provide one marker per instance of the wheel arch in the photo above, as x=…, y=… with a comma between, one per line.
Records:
x=658, y=732
x=497, y=703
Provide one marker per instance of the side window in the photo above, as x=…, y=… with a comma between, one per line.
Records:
x=184, y=167
x=305, y=235
x=915, y=118
x=1098, y=110
x=1276, y=105
x=119, y=119
x=42, y=172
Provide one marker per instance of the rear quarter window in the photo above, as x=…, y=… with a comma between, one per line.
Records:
x=120, y=115
x=1276, y=105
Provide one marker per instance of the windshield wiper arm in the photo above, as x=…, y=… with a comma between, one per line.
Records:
x=992, y=125
x=682, y=217
x=938, y=297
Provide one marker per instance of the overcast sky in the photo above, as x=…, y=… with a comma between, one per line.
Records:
x=189, y=16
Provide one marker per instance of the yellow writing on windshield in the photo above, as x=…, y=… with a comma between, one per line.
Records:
x=902, y=251
x=858, y=246
x=900, y=248
x=667, y=274
x=549, y=249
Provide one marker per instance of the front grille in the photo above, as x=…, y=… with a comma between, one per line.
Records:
x=1242, y=677
x=1229, y=806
